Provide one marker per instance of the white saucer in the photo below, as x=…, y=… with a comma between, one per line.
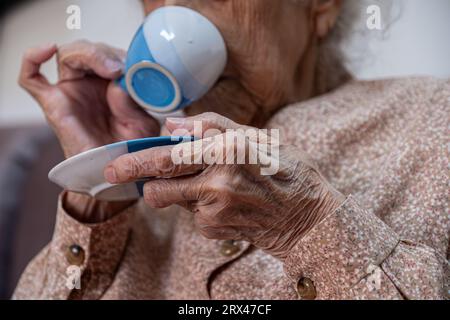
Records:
x=83, y=173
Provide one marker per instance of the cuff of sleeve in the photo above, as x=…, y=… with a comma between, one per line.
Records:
x=99, y=251
x=341, y=250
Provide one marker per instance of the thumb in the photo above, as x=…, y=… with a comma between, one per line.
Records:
x=124, y=108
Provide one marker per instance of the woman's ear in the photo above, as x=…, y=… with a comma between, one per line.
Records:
x=151, y=5
x=325, y=14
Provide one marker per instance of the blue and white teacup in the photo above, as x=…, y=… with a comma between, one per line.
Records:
x=175, y=58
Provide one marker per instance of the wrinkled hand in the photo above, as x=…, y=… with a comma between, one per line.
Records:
x=85, y=108
x=234, y=201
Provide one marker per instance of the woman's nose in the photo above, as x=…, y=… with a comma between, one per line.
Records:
x=151, y=5
x=184, y=3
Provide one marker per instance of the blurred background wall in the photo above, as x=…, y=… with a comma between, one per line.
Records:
x=418, y=43
x=41, y=21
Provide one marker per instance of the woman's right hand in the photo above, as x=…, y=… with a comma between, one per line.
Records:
x=85, y=108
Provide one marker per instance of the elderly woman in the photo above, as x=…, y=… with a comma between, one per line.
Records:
x=359, y=208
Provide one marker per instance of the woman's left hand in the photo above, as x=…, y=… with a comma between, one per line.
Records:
x=233, y=201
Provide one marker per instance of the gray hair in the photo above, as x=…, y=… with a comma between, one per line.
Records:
x=332, y=62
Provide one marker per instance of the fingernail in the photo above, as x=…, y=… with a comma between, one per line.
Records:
x=110, y=174
x=179, y=122
x=48, y=46
x=113, y=65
